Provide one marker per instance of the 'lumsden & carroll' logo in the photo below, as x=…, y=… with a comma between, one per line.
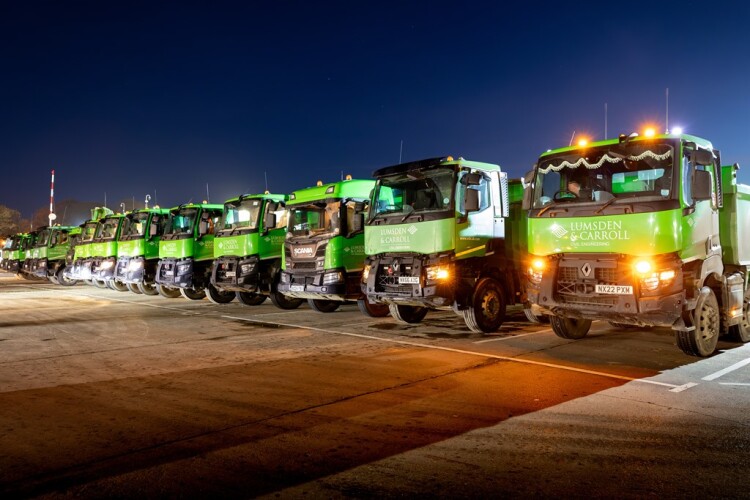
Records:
x=591, y=233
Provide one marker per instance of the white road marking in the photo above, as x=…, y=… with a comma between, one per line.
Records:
x=734, y=383
x=509, y=337
x=683, y=387
x=462, y=351
x=726, y=370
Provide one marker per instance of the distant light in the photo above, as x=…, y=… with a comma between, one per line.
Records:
x=583, y=142
x=649, y=132
x=677, y=130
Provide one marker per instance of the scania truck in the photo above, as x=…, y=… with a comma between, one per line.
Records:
x=80, y=269
x=186, y=251
x=48, y=255
x=646, y=230
x=435, y=238
x=247, y=250
x=138, y=249
x=103, y=253
x=324, y=251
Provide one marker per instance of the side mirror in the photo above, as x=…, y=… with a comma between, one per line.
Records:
x=358, y=223
x=269, y=221
x=153, y=228
x=359, y=207
x=529, y=177
x=471, y=203
x=701, y=185
x=701, y=157
x=527, y=195
x=472, y=179
x=202, y=227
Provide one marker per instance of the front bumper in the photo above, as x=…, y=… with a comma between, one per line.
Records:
x=239, y=274
x=402, y=280
x=130, y=269
x=38, y=268
x=332, y=284
x=176, y=273
x=103, y=268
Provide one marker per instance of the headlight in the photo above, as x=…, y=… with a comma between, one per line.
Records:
x=651, y=279
x=107, y=264
x=365, y=273
x=435, y=273
x=247, y=268
x=536, y=270
x=183, y=268
x=329, y=278
x=135, y=265
x=284, y=277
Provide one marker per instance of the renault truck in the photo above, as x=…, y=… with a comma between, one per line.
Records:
x=138, y=249
x=48, y=255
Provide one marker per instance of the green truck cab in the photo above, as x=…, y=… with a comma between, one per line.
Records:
x=103, y=252
x=48, y=255
x=26, y=254
x=640, y=230
x=186, y=251
x=435, y=238
x=324, y=250
x=13, y=253
x=80, y=268
x=247, y=249
x=138, y=249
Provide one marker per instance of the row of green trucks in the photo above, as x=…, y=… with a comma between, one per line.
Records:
x=637, y=231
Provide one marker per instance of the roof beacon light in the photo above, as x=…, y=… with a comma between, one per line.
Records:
x=677, y=131
x=583, y=142
x=320, y=183
x=348, y=177
x=649, y=132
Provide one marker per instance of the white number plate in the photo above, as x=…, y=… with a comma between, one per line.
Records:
x=614, y=289
x=231, y=274
x=408, y=280
x=297, y=288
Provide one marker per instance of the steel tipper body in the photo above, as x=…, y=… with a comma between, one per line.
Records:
x=324, y=250
x=248, y=249
x=186, y=251
x=49, y=252
x=640, y=231
x=138, y=249
x=435, y=237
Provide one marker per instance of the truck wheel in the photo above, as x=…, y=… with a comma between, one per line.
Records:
x=62, y=279
x=53, y=280
x=217, y=296
x=191, y=294
x=100, y=283
x=133, y=287
x=535, y=318
x=407, y=314
x=119, y=286
x=323, y=306
x=153, y=289
x=702, y=340
x=569, y=328
x=372, y=310
x=165, y=291
x=741, y=332
x=250, y=298
x=487, y=310
x=283, y=302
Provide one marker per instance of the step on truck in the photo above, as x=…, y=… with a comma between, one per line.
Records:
x=138, y=249
x=48, y=255
x=247, y=251
x=641, y=230
x=435, y=238
x=104, y=253
x=324, y=250
x=186, y=251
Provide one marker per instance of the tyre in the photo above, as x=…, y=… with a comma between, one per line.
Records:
x=133, y=287
x=64, y=280
x=621, y=325
x=219, y=297
x=165, y=291
x=407, y=314
x=487, y=310
x=118, y=285
x=741, y=332
x=535, y=318
x=153, y=289
x=702, y=340
x=53, y=280
x=100, y=283
x=323, y=306
x=283, y=302
x=372, y=310
x=250, y=299
x=192, y=294
x=570, y=328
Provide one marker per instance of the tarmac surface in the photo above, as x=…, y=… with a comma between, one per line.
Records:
x=110, y=394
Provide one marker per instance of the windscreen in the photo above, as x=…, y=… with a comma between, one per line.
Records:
x=315, y=219
x=107, y=229
x=182, y=221
x=134, y=226
x=243, y=214
x=88, y=232
x=606, y=174
x=43, y=238
x=415, y=191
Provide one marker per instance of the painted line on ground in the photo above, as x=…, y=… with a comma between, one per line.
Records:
x=726, y=370
x=683, y=387
x=734, y=383
x=462, y=351
x=510, y=337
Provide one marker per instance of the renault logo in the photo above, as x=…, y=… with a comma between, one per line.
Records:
x=586, y=269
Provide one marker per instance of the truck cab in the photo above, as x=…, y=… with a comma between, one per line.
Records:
x=48, y=255
x=138, y=249
x=103, y=252
x=637, y=231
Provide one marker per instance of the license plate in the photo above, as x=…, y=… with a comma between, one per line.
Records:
x=297, y=288
x=408, y=280
x=230, y=274
x=614, y=289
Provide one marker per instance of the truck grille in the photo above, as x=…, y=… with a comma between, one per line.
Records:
x=573, y=287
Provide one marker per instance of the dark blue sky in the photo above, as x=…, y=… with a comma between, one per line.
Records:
x=131, y=97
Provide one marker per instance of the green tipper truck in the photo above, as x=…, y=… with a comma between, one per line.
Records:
x=640, y=230
x=247, y=249
x=324, y=251
x=80, y=268
x=14, y=253
x=103, y=252
x=186, y=251
x=49, y=252
x=435, y=238
x=138, y=249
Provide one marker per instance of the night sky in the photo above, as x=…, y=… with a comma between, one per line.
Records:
x=128, y=98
